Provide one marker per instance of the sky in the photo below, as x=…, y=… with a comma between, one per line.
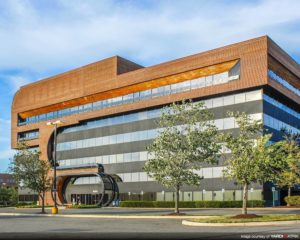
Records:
x=41, y=38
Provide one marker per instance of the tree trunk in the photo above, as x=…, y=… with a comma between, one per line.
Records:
x=289, y=195
x=177, y=199
x=245, y=198
x=43, y=202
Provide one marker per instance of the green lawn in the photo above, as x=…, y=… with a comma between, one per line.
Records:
x=261, y=218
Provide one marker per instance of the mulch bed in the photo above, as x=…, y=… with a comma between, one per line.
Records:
x=246, y=216
x=287, y=207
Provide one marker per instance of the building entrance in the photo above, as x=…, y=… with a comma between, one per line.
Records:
x=88, y=188
x=87, y=199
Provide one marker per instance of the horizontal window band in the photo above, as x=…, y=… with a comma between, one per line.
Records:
x=281, y=115
x=219, y=113
x=221, y=124
x=137, y=146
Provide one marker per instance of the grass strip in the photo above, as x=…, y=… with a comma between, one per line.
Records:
x=260, y=218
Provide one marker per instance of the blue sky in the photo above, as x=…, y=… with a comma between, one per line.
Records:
x=42, y=38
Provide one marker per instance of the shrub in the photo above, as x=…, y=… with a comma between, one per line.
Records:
x=30, y=205
x=83, y=206
x=23, y=204
x=293, y=200
x=191, y=204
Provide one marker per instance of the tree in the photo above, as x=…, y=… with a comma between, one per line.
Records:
x=250, y=159
x=31, y=172
x=8, y=196
x=290, y=151
x=187, y=138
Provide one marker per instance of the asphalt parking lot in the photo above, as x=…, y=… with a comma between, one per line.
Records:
x=45, y=227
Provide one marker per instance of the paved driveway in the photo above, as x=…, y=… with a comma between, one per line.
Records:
x=58, y=227
x=141, y=211
x=39, y=226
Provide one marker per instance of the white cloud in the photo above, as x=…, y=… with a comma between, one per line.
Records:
x=66, y=34
x=16, y=81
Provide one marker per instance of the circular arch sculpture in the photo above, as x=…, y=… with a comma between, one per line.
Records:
x=110, y=190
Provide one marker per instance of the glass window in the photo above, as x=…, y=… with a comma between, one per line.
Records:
x=113, y=139
x=183, y=86
x=151, y=134
x=104, y=103
x=256, y=116
x=175, y=88
x=135, y=156
x=97, y=105
x=167, y=89
x=87, y=107
x=252, y=96
x=143, y=156
x=218, y=102
x=99, y=159
x=143, y=177
x=136, y=96
x=240, y=98
x=117, y=100
x=85, y=161
x=127, y=177
x=145, y=94
x=135, y=136
x=50, y=115
x=219, y=123
x=208, y=81
x=207, y=172
x=120, y=138
x=127, y=137
x=105, y=140
x=135, y=177
x=112, y=159
x=120, y=158
x=128, y=98
x=99, y=141
x=208, y=103
x=79, y=144
x=228, y=123
x=105, y=159
x=127, y=157
x=228, y=100
x=42, y=117
x=161, y=91
x=92, y=142
x=198, y=83
x=155, y=92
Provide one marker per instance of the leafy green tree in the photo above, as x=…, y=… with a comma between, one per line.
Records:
x=31, y=172
x=187, y=138
x=251, y=159
x=290, y=152
x=8, y=196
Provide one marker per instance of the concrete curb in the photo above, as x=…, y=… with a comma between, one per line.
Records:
x=101, y=216
x=250, y=209
x=249, y=224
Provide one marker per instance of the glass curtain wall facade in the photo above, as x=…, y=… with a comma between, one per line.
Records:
x=120, y=142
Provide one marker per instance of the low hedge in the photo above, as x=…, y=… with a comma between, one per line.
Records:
x=191, y=204
x=293, y=200
x=33, y=206
x=23, y=204
x=83, y=206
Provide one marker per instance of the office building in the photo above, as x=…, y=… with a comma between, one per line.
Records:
x=109, y=109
